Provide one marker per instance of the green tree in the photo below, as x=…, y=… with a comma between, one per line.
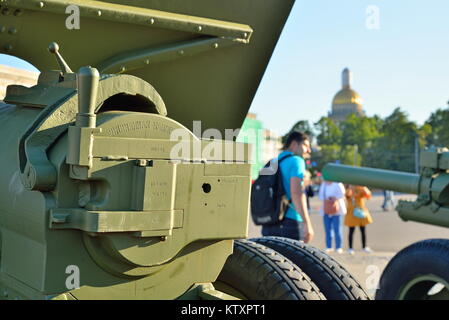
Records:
x=328, y=132
x=395, y=149
x=350, y=155
x=302, y=126
x=325, y=154
x=360, y=131
x=439, y=132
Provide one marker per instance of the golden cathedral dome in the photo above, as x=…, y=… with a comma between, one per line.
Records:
x=347, y=96
x=346, y=101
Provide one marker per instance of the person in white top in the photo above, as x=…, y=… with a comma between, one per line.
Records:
x=333, y=196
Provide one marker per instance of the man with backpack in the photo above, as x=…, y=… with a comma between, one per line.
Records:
x=295, y=224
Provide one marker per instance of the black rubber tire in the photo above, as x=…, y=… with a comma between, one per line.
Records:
x=260, y=273
x=330, y=277
x=424, y=257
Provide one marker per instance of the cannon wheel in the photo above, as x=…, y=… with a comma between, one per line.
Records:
x=256, y=272
x=418, y=272
x=331, y=278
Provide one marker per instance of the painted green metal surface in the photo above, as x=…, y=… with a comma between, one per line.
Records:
x=419, y=287
x=102, y=178
x=122, y=208
x=377, y=178
x=431, y=185
x=205, y=57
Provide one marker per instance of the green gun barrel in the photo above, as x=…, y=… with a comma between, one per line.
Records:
x=432, y=187
x=377, y=178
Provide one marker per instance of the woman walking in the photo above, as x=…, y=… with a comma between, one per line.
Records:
x=333, y=196
x=358, y=214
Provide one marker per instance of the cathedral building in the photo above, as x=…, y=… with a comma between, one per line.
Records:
x=346, y=101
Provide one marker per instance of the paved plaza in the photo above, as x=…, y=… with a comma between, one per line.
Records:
x=387, y=235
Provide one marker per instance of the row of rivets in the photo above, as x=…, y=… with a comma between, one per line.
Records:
x=41, y=4
x=11, y=30
x=180, y=52
x=198, y=28
x=7, y=12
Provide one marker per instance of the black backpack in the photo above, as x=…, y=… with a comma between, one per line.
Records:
x=268, y=200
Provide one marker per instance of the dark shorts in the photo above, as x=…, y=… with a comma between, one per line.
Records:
x=287, y=228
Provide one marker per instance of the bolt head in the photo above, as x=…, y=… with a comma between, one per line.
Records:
x=141, y=163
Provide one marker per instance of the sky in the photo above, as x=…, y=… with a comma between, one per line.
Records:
x=405, y=62
x=398, y=51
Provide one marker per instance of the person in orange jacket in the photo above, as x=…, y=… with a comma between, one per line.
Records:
x=357, y=214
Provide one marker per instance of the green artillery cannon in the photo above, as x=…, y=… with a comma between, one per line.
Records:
x=420, y=270
x=94, y=201
x=107, y=190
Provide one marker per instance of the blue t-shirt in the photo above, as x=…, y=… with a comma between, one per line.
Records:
x=291, y=167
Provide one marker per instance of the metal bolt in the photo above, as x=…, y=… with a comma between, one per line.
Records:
x=2, y=29
x=141, y=163
x=122, y=68
x=12, y=30
x=99, y=13
x=199, y=28
x=147, y=61
x=40, y=4
x=215, y=45
x=245, y=35
x=152, y=21
x=163, y=238
x=181, y=52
